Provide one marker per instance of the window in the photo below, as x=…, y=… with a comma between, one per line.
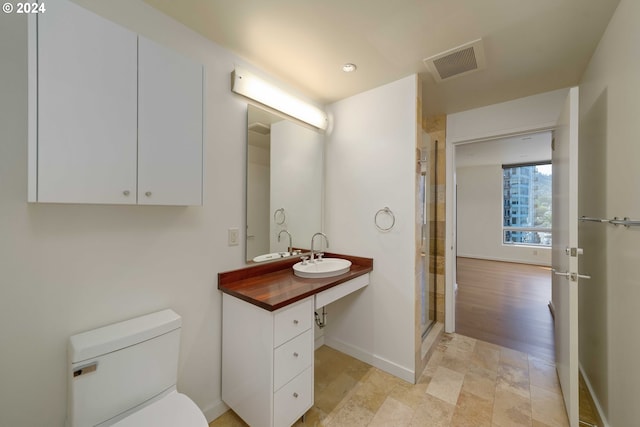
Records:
x=527, y=204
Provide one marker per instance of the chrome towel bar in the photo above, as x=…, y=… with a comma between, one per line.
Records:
x=615, y=221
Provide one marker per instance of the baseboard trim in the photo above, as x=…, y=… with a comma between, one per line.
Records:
x=594, y=397
x=319, y=342
x=372, y=359
x=214, y=410
x=516, y=261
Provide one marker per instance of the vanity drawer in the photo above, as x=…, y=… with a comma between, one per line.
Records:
x=294, y=399
x=291, y=358
x=292, y=321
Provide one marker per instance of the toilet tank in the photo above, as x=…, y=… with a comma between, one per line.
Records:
x=117, y=368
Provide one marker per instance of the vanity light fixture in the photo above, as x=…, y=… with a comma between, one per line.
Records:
x=247, y=84
x=349, y=67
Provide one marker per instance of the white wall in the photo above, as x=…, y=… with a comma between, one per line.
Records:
x=371, y=164
x=609, y=154
x=296, y=183
x=480, y=219
x=521, y=115
x=71, y=268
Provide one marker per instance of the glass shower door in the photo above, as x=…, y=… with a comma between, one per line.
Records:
x=427, y=296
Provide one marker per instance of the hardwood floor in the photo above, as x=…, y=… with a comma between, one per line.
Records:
x=505, y=304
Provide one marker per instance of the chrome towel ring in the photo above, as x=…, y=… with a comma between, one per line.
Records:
x=376, y=219
x=279, y=217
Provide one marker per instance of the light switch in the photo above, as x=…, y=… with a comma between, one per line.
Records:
x=234, y=236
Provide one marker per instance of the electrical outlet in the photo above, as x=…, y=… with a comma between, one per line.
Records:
x=234, y=236
x=535, y=252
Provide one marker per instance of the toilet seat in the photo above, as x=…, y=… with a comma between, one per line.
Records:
x=173, y=410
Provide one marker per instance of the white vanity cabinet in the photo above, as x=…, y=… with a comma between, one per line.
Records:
x=114, y=118
x=267, y=361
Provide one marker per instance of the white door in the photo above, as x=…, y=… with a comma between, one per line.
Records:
x=564, y=259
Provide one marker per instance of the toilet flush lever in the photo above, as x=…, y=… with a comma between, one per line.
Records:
x=86, y=369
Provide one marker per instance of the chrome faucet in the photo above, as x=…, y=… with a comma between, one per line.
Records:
x=312, y=239
x=290, y=242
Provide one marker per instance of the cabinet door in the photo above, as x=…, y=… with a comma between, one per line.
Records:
x=87, y=102
x=170, y=127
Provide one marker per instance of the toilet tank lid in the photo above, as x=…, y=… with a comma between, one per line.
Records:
x=94, y=343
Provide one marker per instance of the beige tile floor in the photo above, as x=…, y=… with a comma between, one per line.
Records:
x=467, y=383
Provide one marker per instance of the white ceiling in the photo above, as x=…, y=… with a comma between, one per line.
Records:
x=506, y=151
x=531, y=46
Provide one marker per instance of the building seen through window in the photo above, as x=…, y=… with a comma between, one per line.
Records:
x=527, y=204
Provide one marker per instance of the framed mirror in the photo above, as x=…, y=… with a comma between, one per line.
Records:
x=285, y=163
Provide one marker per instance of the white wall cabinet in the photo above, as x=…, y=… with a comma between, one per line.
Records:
x=118, y=119
x=267, y=361
x=170, y=123
x=86, y=108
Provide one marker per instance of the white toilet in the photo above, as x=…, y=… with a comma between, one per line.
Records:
x=125, y=375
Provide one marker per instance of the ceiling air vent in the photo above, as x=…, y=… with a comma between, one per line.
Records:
x=456, y=62
x=261, y=128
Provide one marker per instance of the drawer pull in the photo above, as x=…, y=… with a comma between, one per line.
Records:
x=295, y=321
x=295, y=395
x=295, y=354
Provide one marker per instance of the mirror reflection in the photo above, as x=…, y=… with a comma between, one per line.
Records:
x=284, y=185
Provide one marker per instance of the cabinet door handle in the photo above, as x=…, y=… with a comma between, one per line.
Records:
x=148, y=194
x=295, y=321
x=295, y=354
x=126, y=192
x=295, y=395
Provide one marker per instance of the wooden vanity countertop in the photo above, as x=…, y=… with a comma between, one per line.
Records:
x=273, y=285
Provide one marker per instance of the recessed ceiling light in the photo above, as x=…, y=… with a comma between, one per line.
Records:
x=349, y=67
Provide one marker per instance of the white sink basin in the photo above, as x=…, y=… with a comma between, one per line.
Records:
x=268, y=257
x=328, y=267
